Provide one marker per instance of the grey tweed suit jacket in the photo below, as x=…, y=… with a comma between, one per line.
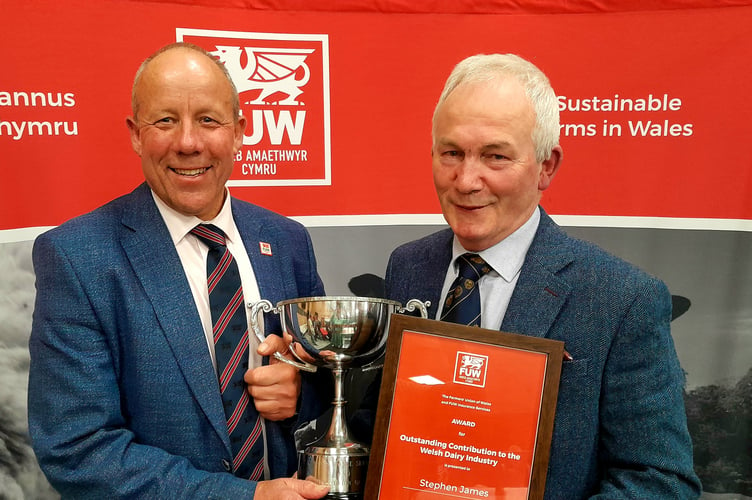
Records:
x=620, y=428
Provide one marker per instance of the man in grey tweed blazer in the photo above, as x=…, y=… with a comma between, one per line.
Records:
x=620, y=428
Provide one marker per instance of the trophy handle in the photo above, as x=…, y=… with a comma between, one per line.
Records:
x=413, y=304
x=303, y=365
x=264, y=305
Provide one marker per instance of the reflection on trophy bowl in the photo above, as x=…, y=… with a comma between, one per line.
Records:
x=338, y=330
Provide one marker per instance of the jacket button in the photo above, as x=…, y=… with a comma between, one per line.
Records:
x=226, y=465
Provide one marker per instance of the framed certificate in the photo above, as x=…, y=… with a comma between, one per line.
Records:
x=463, y=412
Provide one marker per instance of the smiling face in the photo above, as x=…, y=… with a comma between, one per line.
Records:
x=484, y=167
x=185, y=131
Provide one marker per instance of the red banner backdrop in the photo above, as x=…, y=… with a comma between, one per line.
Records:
x=339, y=96
x=654, y=104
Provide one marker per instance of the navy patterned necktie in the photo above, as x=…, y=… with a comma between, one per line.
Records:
x=230, y=330
x=462, y=304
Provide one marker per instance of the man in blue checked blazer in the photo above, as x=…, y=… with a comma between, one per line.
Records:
x=620, y=428
x=124, y=400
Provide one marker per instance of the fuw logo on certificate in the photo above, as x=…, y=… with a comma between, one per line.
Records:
x=470, y=369
x=283, y=84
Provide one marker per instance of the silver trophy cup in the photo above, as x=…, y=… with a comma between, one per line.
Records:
x=337, y=333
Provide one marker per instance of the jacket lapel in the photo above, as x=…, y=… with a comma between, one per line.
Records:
x=267, y=266
x=431, y=270
x=540, y=293
x=147, y=243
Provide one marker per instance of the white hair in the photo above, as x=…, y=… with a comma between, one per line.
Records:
x=487, y=67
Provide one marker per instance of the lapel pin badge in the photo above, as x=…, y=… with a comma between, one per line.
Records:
x=266, y=248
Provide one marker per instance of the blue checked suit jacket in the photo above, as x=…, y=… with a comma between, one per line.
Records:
x=620, y=428
x=123, y=398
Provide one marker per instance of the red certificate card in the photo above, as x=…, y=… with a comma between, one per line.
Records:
x=466, y=415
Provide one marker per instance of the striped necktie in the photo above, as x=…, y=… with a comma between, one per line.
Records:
x=462, y=304
x=230, y=330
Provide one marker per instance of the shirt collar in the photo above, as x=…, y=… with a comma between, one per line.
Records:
x=180, y=224
x=507, y=256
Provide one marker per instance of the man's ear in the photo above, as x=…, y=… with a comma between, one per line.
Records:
x=550, y=167
x=135, y=135
x=239, y=132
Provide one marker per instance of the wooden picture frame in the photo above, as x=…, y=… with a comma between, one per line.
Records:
x=463, y=412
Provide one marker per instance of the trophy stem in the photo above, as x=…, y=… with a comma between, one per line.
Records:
x=336, y=459
x=338, y=434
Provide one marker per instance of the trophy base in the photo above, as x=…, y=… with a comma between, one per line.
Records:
x=343, y=469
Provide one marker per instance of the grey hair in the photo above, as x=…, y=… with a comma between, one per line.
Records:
x=195, y=48
x=487, y=67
